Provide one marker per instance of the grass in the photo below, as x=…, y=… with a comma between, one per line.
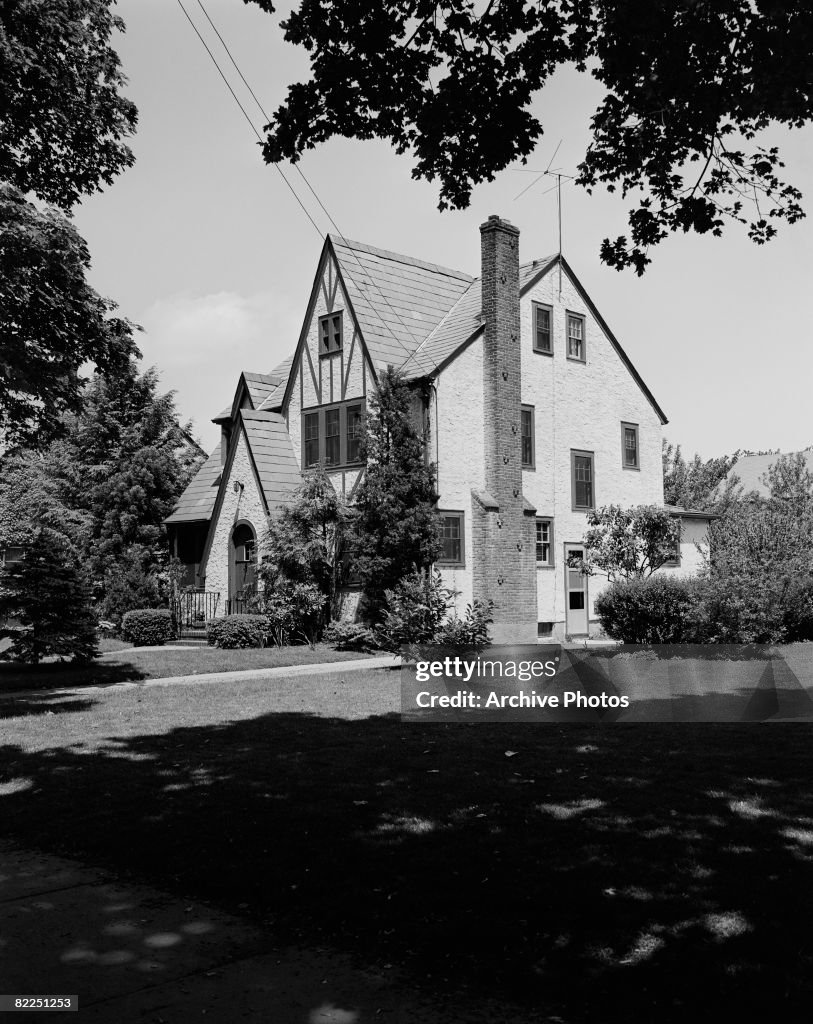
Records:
x=655, y=872
x=127, y=663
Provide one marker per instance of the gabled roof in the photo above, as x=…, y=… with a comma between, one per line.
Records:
x=265, y=390
x=750, y=469
x=690, y=513
x=198, y=500
x=398, y=301
x=273, y=455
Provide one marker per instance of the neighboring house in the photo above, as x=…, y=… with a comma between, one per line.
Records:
x=536, y=416
x=752, y=471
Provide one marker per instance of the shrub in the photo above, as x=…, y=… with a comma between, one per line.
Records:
x=291, y=611
x=656, y=610
x=414, y=611
x=469, y=632
x=350, y=636
x=147, y=627
x=236, y=631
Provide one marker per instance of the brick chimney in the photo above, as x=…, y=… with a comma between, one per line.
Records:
x=503, y=524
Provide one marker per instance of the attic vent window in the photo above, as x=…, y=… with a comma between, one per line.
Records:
x=330, y=334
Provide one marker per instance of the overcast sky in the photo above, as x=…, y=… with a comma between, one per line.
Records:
x=202, y=244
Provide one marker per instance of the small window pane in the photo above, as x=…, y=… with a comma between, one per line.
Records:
x=311, y=439
x=332, y=437
x=451, y=539
x=355, y=429
x=542, y=340
x=575, y=337
x=527, y=423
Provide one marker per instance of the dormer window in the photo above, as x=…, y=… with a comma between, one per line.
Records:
x=330, y=334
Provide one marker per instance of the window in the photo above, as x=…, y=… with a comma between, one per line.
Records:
x=674, y=559
x=12, y=555
x=543, y=329
x=330, y=334
x=311, y=435
x=355, y=430
x=629, y=446
x=576, y=341
x=544, y=542
x=452, y=539
x=333, y=440
x=582, y=476
x=527, y=424
x=331, y=435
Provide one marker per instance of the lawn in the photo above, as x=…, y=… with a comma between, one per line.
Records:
x=126, y=663
x=604, y=873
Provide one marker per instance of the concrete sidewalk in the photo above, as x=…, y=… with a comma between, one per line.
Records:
x=281, y=672
x=133, y=955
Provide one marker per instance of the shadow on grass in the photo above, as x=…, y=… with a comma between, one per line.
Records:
x=54, y=675
x=40, y=704
x=655, y=872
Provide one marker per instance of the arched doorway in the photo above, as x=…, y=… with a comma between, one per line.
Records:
x=242, y=566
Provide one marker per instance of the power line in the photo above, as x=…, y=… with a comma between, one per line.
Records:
x=245, y=115
x=313, y=191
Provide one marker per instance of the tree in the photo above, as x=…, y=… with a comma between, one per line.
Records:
x=51, y=321
x=688, y=86
x=629, y=543
x=708, y=486
x=45, y=601
x=62, y=119
x=302, y=552
x=397, y=527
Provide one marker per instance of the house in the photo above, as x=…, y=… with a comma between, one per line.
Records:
x=752, y=470
x=536, y=415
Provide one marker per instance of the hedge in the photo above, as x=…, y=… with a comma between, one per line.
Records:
x=147, y=627
x=235, y=631
x=657, y=610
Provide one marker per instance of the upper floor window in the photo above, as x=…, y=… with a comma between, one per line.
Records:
x=629, y=446
x=576, y=340
x=543, y=328
x=544, y=542
x=330, y=334
x=528, y=454
x=582, y=480
x=452, y=539
x=331, y=435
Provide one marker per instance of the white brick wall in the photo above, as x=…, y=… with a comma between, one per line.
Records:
x=245, y=506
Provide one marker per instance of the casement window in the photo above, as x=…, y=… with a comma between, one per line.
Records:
x=355, y=431
x=582, y=480
x=310, y=440
x=629, y=446
x=333, y=440
x=330, y=334
x=576, y=340
x=452, y=539
x=527, y=433
x=331, y=435
x=544, y=542
x=543, y=328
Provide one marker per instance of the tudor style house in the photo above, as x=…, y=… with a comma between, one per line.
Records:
x=536, y=416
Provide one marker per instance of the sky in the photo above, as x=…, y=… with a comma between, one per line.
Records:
x=202, y=244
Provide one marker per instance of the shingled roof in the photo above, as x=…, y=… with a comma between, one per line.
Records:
x=198, y=500
x=273, y=455
x=398, y=300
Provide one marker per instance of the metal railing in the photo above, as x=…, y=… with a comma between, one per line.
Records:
x=192, y=609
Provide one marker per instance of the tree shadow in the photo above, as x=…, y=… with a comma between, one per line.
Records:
x=40, y=704
x=55, y=675
x=658, y=872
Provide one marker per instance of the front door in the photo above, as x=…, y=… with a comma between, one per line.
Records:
x=576, y=623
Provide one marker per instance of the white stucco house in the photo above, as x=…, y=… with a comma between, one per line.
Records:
x=536, y=415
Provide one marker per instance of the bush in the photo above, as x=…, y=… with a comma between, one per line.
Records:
x=470, y=632
x=657, y=610
x=147, y=627
x=350, y=636
x=236, y=631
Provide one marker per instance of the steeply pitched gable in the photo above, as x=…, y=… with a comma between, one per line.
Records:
x=198, y=500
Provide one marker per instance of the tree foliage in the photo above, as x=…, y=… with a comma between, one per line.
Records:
x=46, y=600
x=397, y=528
x=51, y=321
x=708, y=486
x=629, y=543
x=688, y=89
x=63, y=120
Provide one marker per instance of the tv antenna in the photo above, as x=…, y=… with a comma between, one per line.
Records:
x=558, y=174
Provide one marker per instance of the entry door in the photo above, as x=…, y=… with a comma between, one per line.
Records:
x=575, y=592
